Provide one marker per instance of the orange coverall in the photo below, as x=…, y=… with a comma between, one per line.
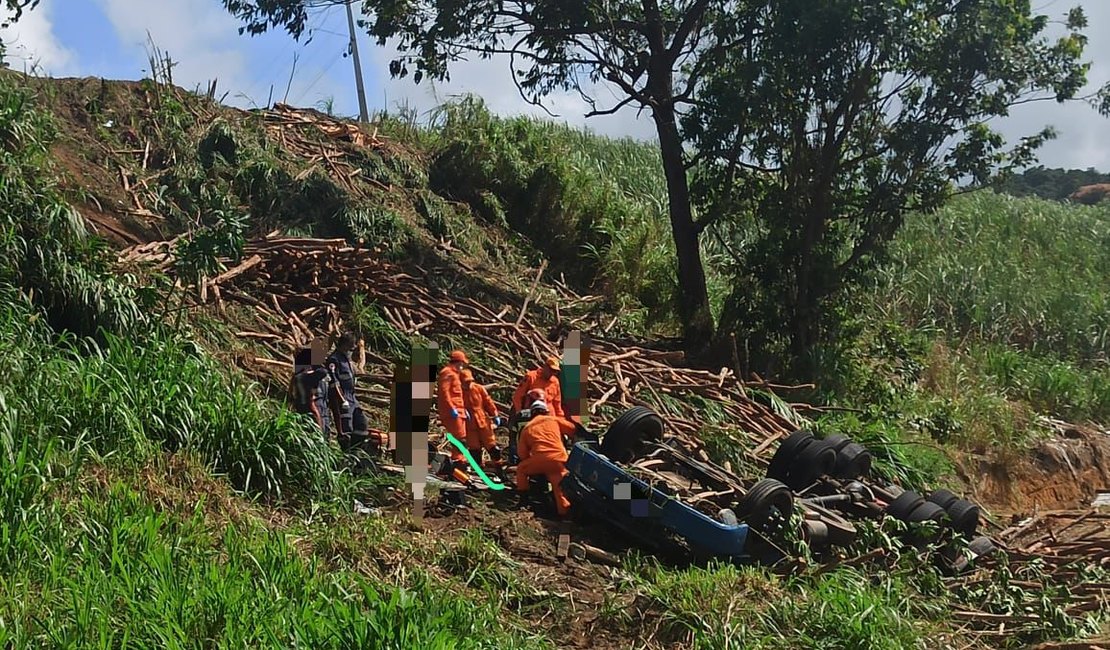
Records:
x=553, y=394
x=449, y=395
x=479, y=428
x=541, y=451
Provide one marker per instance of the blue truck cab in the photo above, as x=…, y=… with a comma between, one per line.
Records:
x=644, y=511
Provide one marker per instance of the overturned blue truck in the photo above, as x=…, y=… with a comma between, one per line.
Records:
x=658, y=492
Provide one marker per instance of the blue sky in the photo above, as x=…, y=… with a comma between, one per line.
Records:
x=108, y=38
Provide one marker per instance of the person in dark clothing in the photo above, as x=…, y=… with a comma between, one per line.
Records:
x=350, y=418
x=310, y=383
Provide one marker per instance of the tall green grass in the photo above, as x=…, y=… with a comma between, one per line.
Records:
x=1018, y=292
x=48, y=251
x=105, y=567
x=595, y=206
x=131, y=397
x=1027, y=273
x=724, y=606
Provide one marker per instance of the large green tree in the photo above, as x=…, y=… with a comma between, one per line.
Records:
x=652, y=53
x=844, y=116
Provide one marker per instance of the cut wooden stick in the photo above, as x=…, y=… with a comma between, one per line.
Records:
x=531, y=291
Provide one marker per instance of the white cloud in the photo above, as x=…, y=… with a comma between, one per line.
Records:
x=1081, y=140
x=198, y=35
x=31, y=45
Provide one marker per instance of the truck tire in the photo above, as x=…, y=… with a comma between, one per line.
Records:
x=942, y=498
x=927, y=511
x=852, y=461
x=982, y=546
x=837, y=441
x=815, y=460
x=964, y=516
x=784, y=456
x=759, y=506
x=901, y=507
x=626, y=436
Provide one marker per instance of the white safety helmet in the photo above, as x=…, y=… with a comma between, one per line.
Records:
x=539, y=405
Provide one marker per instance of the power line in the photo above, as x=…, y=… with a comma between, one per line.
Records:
x=268, y=77
x=302, y=93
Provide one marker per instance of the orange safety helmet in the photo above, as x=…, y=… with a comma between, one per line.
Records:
x=553, y=363
x=467, y=376
x=458, y=356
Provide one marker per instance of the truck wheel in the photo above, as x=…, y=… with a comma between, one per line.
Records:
x=852, y=461
x=765, y=502
x=817, y=459
x=942, y=498
x=965, y=517
x=901, y=507
x=780, y=464
x=837, y=441
x=927, y=511
x=982, y=546
x=626, y=436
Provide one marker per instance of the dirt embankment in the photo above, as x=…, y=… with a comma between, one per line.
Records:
x=1063, y=473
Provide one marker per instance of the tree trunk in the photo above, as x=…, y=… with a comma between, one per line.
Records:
x=693, y=301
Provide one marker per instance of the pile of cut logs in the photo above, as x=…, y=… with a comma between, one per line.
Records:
x=299, y=288
x=1055, y=560
x=299, y=131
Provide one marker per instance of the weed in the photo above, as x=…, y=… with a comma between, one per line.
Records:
x=369, y=322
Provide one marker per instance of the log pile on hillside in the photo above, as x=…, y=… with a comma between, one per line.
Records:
x=299, y=131
x=1053, y=563
x=299, y=288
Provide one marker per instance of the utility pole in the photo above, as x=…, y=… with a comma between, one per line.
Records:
x=363, y=116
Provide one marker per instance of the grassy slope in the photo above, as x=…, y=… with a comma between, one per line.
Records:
x=993, y=311
x=106, y=450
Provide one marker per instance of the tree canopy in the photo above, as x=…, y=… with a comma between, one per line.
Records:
x=16, y=8
x=1054, y=184
x=845, y=116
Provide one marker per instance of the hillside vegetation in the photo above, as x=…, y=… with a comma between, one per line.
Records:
x=153, y=495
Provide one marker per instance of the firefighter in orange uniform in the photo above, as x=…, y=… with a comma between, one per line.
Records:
x=542, y=452
x=482, y=414
x=545, y=378
x=451, y=406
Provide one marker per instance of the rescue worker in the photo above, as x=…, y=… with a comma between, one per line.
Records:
x=349, y=416
x=479, y=426
x=309, y=385
x=545, y=378
x=518, y=416
x=451, y=407
x=542, y=452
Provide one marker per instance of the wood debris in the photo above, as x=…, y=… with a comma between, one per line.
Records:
x=1060, y=556
x=298, y=286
